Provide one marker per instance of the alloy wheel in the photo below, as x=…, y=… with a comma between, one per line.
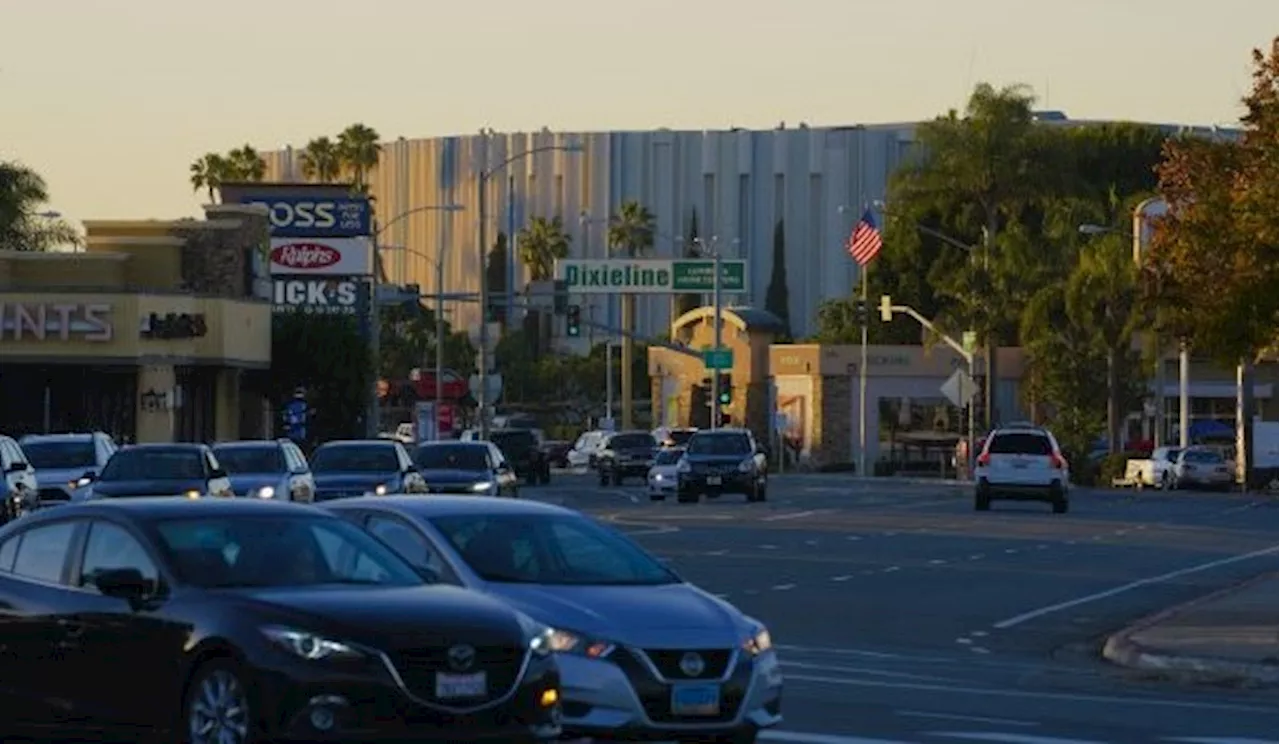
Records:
x=219, y=710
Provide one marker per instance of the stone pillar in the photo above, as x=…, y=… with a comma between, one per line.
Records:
x=156, y=416
x=227, y=405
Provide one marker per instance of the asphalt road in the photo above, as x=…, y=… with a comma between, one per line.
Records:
x=904, y=616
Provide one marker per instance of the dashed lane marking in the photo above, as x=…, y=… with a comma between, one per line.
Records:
x=842, y=577
x=795, y=515
x=799, y=738
x=783, y=587
x=970, y=719
x=1006, y=738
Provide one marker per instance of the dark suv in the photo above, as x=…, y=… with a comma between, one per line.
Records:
x=524, y=453
x=722, y=461
x=625, y=454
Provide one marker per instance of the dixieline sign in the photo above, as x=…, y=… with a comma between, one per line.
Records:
x=55, y=321
x=649, y=275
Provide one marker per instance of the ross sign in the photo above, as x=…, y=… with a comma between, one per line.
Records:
x=717, y=358
x=648, y=276
x=321, y=256
x=959, y=388
x=54, y=321
x=315, y=216
x=340, y=295
x=173, y=326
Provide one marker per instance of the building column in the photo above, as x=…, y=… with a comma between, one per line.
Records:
x=227, y=405
x=156, y=417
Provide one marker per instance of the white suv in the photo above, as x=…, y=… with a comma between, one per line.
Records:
x=1022, y=462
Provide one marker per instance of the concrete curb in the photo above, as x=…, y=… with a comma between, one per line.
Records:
x=1122, y=650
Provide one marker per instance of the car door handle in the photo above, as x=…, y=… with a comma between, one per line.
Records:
x=71, y=628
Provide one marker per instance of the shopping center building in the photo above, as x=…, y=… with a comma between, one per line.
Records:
x=149, y=333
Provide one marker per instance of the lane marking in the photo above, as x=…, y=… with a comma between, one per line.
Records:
x=783, y=587
x=768, y=547
x=842, y=577
x=1041, y=612
x=979, y=650
x=717, y=552
x=837, y=651
x=1216, y=740
x=974, y=719
x=977, y=557
x=799, y=738
x=862, y=671
x=795, y=515
x=964, y=640
x=936, y=562
x=853, y=537
x=891, y=569
x=1007, y=738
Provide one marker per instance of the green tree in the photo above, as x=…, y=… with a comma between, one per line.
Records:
x=837, y=322
x=359, y=150
x=322, y=160
x=541, y=244
x=496, y=273
x=246, y=164
x=630, y=234
x=209, y=172
x=329, y=356
x=409, y=340
x=777, y=299
x=692, y=300
x=23, y=225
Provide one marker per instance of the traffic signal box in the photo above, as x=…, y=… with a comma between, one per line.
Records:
x=573, y=321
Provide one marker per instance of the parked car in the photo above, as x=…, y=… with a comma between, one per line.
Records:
x=249, y=620
x=644, y=655
x=66, y=463
x=1022, y=463
x=1154, y=471
x=179, y=470
x=720, y=461
x=557, y=452
x=20, y=488
x=624, y=454
x=663, y=476
x=267, y=470
x=358, y=467
x=520, y=449
x=1202, y=467
x=475, y=468
x=583, y=452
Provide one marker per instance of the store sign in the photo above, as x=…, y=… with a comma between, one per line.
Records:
x=55, y=321
x=311, y=216
x=338, y=295
x=321, y=256
x=173, y=326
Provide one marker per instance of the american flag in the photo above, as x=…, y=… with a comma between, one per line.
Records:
x=864, y=241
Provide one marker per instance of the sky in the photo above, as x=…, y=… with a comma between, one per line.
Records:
x=111, y=100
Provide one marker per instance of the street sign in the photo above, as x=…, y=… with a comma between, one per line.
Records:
x=698, y=275
x=493, y=390
x=649, y=275
x=969, y=341
x=959, y=388
x=718, y=358
x=780, y=421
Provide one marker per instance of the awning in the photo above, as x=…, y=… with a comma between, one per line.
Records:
x=1218, y=390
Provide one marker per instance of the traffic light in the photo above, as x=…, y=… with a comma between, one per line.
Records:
x=725, y=396
x=573, y=321
x=886, y=308
x=860, y=311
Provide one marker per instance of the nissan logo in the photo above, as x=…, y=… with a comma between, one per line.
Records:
x=461, y=658
x=692, y=664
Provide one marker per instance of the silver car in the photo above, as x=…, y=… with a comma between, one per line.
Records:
x=663, y=477
x=267, y=469
x=1202, y=467
x=642, y=653
x=67, y=463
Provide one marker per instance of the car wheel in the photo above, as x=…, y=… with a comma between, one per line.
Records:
x=604, y=478
x=687, y=497
x=217, y=709
x=982, y=502
x=1060, y=506
x=1166, y=481
x=655, y=496
x=616, y=479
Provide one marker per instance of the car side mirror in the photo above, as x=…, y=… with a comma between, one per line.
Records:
x=125, y=583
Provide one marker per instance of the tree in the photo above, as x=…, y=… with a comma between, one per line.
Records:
x=541, y=244
x=409, y=340
x=322, y=160
x=330, y=357
x=838, y=322
x=209, y=172
x=23, y=226
x=359, y=150
x=692, y=300
x=631, y=234
x=496, y=273
x=777, y=298
x=245, y=164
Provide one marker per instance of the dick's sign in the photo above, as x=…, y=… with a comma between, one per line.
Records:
x=341, y=295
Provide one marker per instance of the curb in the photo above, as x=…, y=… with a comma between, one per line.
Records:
x=1122, y=650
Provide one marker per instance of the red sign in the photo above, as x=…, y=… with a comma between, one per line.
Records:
x=305, y=255
x=454, y=388
x=444, y=418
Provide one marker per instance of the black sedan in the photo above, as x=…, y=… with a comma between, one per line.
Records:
x=189, y=470
x=236, y=621
x=722, y=461
x=372, y=467
x=475, y=468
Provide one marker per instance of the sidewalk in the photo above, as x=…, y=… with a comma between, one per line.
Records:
x=1228, y=637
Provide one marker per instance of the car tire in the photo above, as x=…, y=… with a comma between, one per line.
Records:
x=616, y=479
x=204, y=690
x=1166, y=482
x=1060, y=505
x=657, y=497
x=604, y=479
x=982, y=502
x=687, y=497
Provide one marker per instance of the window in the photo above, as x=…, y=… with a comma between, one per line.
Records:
x=111, y=547
x=462, y=456
x=237, y=460
x=9, y=551
x=64, y=454
x=358, y=458
x=719, y=444
x=43, y=552
x=406, y=541
x=586, y=554
x=155, y=463
x=668, y=456
x=631, y=441
x=1020, y=444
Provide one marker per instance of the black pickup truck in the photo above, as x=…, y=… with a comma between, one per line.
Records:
x=625, y=454
x=524, y=453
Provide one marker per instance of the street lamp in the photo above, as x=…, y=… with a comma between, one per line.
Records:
x=482, y=183
x=375, y=333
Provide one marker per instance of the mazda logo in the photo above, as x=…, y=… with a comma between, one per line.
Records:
x=461, y=657
x=692, y=664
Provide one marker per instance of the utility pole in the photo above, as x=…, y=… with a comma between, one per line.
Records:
x=482, y=398
x=375, y=335
x=715, y=373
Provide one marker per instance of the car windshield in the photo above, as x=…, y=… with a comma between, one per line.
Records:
x=60, y=455
x=1171, y=454
x=452, y=457
x=354, y=458
x=154, y=464
x=668, y=456
x=1205, y=457
x=549, y=549
x=719, y=444
x=514, y=441
x=1021, y=444
x=631, y=441
x=264, y=459
x=278, y=551
x=680, y=436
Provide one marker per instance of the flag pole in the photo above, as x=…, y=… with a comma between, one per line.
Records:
x=862, y=379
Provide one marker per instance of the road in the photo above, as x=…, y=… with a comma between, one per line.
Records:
x=904, y=616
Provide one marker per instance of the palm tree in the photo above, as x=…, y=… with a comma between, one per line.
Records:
x=22, y=226
x=321, y=160
x=541, y=243
x=630, y=234
x=246, y=164
x=209, y=172
x=359, y=149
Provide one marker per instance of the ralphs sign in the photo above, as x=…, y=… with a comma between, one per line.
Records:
x=321, y=256
x=312, y=217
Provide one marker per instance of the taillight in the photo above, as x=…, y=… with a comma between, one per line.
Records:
x=984, y=459
x=1056, y=462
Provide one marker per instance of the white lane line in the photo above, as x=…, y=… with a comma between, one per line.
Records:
x=936, y=562
x=979, y=650
x=827, y=651
x=891, y=569
x=978, y=633
x=965, y=641
x=973, y=719
x=799, y=738
x=861, y=671
x=783, y=587
x=1041, y=612
x=810, y=542
x=1042, y=547
x=842, y=577
x=1007, y=738
x=977, y=557
x=888, y=534
x=853, y=537
x=795, y=515
x=768, y=547
x=723, y=596
x=717, y=552
x=1010, y=551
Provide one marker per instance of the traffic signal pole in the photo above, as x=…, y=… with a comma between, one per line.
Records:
x=715, y=376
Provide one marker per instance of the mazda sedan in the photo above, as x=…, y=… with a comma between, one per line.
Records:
x=643, y=654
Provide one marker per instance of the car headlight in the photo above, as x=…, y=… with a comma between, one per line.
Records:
x=656, y=476
x=568, y=642
x=309, y=645
x=80, y=482
x=683, y=466
x=747, y=465
x=380, y=489
x=266, y=492
x=482, y=487
x=192, y=494
x=758, y=641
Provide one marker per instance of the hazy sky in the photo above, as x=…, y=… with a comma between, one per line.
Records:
x=112, y=99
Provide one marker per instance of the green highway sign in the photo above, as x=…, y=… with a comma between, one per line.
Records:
x=649, y=275
x=717, y=358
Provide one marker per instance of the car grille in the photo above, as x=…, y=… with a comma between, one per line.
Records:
x=655, y=696
x=340, y=494
x=418, y=669
x=715, y=661
x=450, y=488
x=53, y=495
x=715, y=469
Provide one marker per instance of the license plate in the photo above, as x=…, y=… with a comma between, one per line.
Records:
x=695, y=700
x=450, y=686
x=713, y=480
x=1019, y=466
